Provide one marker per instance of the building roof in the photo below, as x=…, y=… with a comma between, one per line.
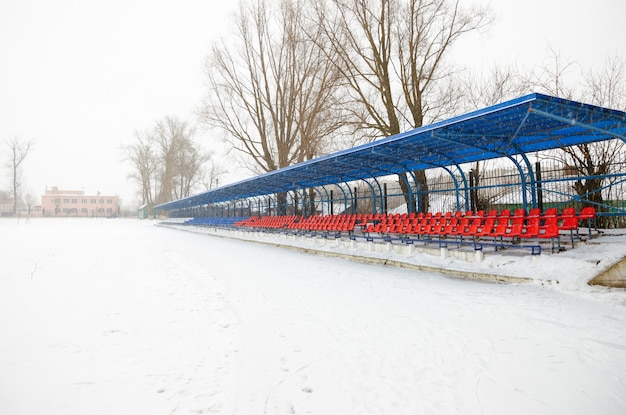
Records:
x=531, y=123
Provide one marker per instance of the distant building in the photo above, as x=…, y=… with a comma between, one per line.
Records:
x=76, y=203
x=23, y=209
x=143, y=212
x=6, y=205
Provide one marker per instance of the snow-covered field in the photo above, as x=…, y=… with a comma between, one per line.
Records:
x=122, y=317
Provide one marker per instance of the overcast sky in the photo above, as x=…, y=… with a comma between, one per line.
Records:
x=79, y=76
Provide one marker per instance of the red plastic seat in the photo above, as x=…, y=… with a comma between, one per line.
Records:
x=588, y=213
x=550, y=212
x=439, y=228
x=534, y=212
x=422, y=226
x=472, y=227
x=568, y=212
x=530, y=230
x=487, y=228
x=508, y=230
x=567, y=221
x=500, y=229
x=460, y=228
x=450, y=226
x=549, y=230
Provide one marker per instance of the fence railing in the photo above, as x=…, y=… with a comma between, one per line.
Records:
x=545, y=184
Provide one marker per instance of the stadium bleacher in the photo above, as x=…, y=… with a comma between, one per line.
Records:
x=504, y=229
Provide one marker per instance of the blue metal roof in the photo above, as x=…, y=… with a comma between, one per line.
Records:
x=527, y=124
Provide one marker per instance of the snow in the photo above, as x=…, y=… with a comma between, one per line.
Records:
x=120, y=316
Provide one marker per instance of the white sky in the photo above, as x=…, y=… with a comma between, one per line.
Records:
x=79, y=76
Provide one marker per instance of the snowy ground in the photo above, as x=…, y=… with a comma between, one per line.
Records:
x=123, y=317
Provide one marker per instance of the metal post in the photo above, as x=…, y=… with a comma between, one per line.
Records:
x=472, y=191
x=538, y=184
x=385, y=200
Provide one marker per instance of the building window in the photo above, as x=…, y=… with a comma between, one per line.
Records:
x=83, y=211
x=109, y=201
x=66, y=201
x=74, y=201
x=94, y=201
x=84, y=201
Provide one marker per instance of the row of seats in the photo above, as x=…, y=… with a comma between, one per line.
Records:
x=324, y=223
x=495, y=228
x=213, y=221
x=268, y=222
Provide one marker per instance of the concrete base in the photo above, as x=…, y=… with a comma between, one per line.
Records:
x=615, y=276
x=364, y=251
x=612, y=274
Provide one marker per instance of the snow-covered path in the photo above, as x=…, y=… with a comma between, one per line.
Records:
x=122, y=317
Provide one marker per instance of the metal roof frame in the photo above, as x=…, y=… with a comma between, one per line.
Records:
x=528, y=124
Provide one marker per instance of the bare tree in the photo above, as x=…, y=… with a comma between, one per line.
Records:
x=552, y=78
x=212, y=175
x=605, y=87
x=168, y=136
x=179, y=159
x=481, y=91
x=141, y=156
x=490, y=88
x=391, y=54
x=167, y=162
x=189, y=162
x=18, y=151
x=275, y=100
x=29, y=200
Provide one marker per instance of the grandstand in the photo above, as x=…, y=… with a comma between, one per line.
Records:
x=510, y=132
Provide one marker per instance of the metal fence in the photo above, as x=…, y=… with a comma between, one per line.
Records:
x=554, y=185
x=543, y=184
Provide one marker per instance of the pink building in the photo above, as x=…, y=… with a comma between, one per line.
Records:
x=75, y=203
